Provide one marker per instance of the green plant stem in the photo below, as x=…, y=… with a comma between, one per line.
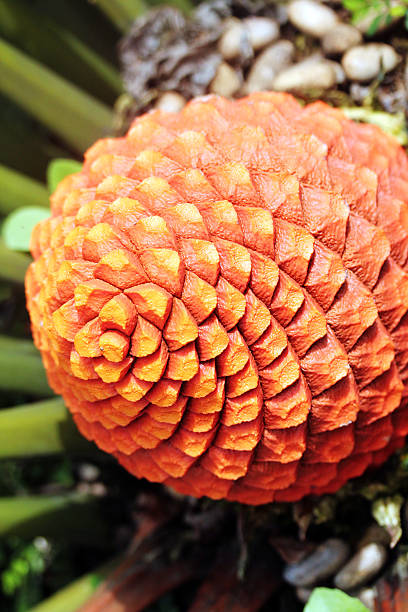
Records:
x=21, y=368
x=185, y=6
x=93, y=63
x=26, y=145
x=121, y=12
x=75, y=116
x=13, y=265
x=70, y=598
x=40, y=428
x=19, y=190
x=57, y=47
x=45, y=515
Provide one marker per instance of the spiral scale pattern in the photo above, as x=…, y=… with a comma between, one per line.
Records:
x=221, y=297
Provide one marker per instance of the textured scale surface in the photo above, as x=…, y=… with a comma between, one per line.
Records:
x=221, y=297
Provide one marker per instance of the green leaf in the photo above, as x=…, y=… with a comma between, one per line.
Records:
x=17, y=228
x=398, y=11
x=333, y=600
x=353, y=5
x=374, y=25
x=359, y=15
x=59, y=169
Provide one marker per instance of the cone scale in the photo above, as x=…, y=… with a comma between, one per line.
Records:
x=221, y=297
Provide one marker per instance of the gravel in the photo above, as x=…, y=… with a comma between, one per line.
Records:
x=171, y=102
x=362, y=567
x=322, y=563
x=261, y=31
x=312, y=17
x=364, y=62
x=311, y=73
x=268, y=64
x=340, y=38
x=234, y=42
x=226, y=81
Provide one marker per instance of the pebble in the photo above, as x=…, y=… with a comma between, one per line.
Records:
x=234, y=42
x=268, y=64
x=226, y=81
x=98, y=489
x=338, y=71
x=367, y=596
x=88, y=472
x=311, y=73
x=261, y=31
x=340, y=38
x=364, y=62
x=303, y=594
x=322, y=563
x=359, y=93
x=393, y=99
x=170, y=102
x=363, y=566
x=281, y=13
x=312, y=17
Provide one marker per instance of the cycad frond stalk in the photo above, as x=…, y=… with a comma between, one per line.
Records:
x=70, y=598
x=78, y=118
x=121, y=12
x=40, y=428
x=49, y=515
x=20, y=190
x=58, y=48
x=13, y=265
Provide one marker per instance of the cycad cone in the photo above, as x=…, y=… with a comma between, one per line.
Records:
x=221, y=297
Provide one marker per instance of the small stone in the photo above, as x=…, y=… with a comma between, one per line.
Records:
x=261, y=31
x=338, y=71
x=365, y=62
x=88, y=472
x=367, y=596
x=311, y=73
x=312, y=17
x=98, y=489
x=170, y=102
x=359, y=93
x=84, y=488
x=268, y=64
x=363, y=566
x=226, y=81
x=303, y=594
x=42, y=544
x=340, y=38
x=393, y=99
x=322, y=563
x=281, y=14
x=234, y=42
